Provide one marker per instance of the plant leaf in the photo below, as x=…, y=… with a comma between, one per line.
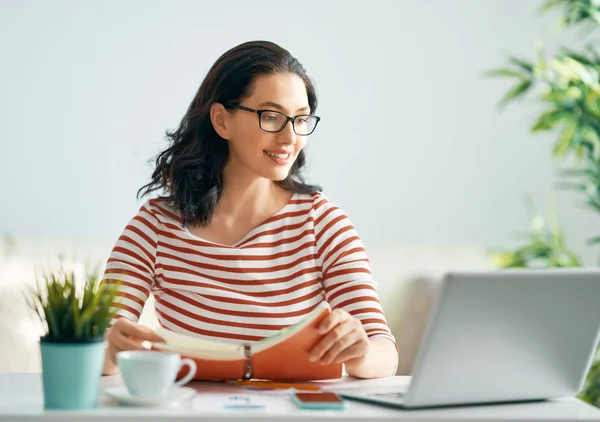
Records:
x=565, y=139
x=517, y=91
x=504, y=72
x=522, y=64
x=580, y=57
x=592, y=103
x=549, y=119
x=550, y=4
x=65, y=312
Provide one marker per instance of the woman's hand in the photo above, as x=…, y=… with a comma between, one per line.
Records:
x=126, y=335
x=345, y=342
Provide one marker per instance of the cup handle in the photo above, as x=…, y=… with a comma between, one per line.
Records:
x=190, y=374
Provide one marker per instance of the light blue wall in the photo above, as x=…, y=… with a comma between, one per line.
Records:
x=410, y=144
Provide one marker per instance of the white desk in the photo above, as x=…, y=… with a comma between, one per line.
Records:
x=21, y=400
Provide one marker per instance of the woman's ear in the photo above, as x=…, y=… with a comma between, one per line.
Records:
x=218, y=118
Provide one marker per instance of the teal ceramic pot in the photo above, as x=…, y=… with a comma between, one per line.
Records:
x=71, y=373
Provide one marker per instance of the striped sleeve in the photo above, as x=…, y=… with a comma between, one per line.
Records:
x=131, y=263
x=345, y=268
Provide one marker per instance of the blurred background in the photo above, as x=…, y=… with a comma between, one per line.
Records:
x=412, y=144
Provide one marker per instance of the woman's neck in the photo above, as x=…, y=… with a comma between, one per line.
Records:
x=247, y=197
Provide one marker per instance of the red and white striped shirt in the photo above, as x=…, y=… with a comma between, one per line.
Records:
x=270, y=279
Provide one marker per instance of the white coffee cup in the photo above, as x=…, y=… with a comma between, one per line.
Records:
x=152, y=374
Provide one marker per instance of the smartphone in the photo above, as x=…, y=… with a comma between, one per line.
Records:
x=322, y=400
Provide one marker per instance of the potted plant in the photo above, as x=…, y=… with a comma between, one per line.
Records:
x=73, y=347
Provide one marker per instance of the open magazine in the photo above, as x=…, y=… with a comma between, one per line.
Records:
x=283, y=356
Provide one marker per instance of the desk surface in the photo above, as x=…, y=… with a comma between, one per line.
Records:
x=21, y=400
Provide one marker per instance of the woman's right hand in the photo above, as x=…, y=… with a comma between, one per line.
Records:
x=126, y=335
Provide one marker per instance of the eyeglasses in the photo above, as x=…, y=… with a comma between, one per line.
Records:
x=274, y=121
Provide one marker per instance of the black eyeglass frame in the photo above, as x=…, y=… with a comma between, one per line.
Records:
x=287, y=118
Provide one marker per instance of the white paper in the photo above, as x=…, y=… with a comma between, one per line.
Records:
x=208, y=403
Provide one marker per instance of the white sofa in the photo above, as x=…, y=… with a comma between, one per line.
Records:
x=407, y=277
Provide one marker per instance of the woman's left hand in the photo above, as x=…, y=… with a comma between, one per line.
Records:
x=345, y=342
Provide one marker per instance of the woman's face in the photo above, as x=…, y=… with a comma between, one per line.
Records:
x=268, y=155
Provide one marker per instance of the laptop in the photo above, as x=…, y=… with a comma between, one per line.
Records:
x=502, y=337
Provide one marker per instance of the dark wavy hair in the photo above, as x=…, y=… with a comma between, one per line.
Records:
x=190, y=170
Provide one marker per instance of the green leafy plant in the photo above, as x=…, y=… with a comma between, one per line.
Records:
x=591, y=389
x=567, y=84
x=545, y=247
x=575, y=11
x=587, y=184
x=67, y=314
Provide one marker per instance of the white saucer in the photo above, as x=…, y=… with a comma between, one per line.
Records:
x=122, y=396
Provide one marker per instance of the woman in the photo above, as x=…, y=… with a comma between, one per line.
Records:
x=240, y=246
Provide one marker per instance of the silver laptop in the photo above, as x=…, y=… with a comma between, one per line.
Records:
x=505, y=336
